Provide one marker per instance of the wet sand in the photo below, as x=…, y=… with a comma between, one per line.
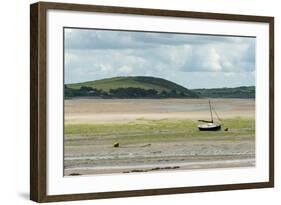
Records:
x=160, y=167
x=161, y=157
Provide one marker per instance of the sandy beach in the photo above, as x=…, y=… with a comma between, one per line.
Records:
x=124, y=110
x=155, y=135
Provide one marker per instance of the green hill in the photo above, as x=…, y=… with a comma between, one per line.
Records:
x=129, y=87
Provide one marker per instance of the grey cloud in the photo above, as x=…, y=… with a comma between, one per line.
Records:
x=180, y=39
x=107, y=39
x=93, y=39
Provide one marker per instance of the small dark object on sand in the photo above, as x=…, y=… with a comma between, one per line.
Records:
x=152, y=169
x=146, y=145
x=226, y=129
x=74, y=174
x=116, y=144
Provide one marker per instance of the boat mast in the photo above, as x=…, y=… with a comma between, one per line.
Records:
x=211, y=111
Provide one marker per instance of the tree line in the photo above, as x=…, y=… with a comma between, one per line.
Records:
x=238, y=92
x=129, y=92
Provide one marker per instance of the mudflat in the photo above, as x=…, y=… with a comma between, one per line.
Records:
x=155, y=135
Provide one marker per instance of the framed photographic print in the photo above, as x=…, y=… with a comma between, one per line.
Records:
x=134, y=102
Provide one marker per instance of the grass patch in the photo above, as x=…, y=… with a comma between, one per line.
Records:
x=158, y=130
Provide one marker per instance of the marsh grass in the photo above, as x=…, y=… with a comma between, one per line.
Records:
x=140, y=131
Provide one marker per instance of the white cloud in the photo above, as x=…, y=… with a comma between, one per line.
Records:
x=125, y=70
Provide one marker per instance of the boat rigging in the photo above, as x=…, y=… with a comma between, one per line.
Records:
x=210, y=125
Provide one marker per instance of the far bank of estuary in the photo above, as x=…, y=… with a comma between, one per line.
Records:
x=140, y=87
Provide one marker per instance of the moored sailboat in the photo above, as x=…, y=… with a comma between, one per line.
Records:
x=210, y=125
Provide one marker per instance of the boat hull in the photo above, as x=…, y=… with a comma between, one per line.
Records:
x=212, y=128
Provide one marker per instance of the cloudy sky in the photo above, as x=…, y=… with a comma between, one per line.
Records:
x=193, y=61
